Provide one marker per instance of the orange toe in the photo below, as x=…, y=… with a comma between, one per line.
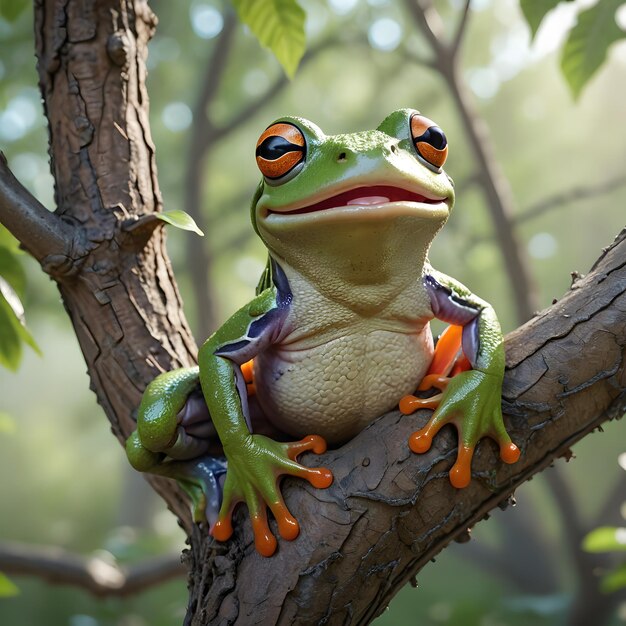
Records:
x=264, y=542
x=319, y=477
x=314, y=443
x=288, y=526
x=433, y=380
x=410, y=404
x=461, y=472
x=509, y=453
x=420, y=441
x=223, y=529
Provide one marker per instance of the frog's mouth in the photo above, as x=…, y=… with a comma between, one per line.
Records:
x=363, y=197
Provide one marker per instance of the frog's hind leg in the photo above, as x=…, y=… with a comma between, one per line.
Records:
x=448, y=361
x=175, y=438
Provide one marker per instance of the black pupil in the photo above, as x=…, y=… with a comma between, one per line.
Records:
x=435, y=137
x=275, y=146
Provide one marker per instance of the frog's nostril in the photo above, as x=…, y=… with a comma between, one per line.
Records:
x=394, y=148
x=341, y=158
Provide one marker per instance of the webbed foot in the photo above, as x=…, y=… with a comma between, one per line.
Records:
x=471, y=402
x=255, y=467
x=469, y=399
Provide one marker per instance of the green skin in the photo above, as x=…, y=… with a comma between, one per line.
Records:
x=351, y=339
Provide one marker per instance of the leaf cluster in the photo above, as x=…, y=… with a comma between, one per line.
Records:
x=588, y=41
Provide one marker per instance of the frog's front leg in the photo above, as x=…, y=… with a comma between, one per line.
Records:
x=470, y=400
x=255, y=462
x=175, y=439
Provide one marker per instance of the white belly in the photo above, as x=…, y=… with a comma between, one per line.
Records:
x=336, y=389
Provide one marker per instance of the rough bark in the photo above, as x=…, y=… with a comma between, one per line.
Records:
x=119, y=291
x=389, y=511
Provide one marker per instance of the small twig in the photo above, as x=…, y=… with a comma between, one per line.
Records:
x=460, y=30
x=49, y=239
x=93, y=574
x=493, y=182
x=571, y=195
x=219, y=132
x=554, y=202
x=198, y=256
x=429, y=22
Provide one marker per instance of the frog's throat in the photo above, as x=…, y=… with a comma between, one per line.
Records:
x=368, y=259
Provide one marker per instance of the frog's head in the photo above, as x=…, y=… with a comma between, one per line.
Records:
x=352, y=200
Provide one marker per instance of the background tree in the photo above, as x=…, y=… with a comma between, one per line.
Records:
x=394, y=86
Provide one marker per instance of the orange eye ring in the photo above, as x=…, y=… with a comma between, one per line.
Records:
x=281, y=151
x=430, y=142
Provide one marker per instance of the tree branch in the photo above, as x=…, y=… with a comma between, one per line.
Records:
x=492, y=180
x=574, y=194
x=198, y=256
x=554, y=202
x=429, y=22
x=50, y=240
x=252, y=107
x=123, y=302
x=93, y=574
x=389, y=512
x=457, y=40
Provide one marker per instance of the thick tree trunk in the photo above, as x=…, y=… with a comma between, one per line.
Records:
x=117, y=287
x=389, y=511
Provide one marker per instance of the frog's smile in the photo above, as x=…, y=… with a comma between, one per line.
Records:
x=363, y=196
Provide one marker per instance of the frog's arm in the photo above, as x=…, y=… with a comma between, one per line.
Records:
x=255, y=462
x=471, y=400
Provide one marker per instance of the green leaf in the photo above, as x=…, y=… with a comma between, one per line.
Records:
x=10, y=10
x=13, y=331
x=279, y=26
x=12, y=271
x=180, y=219
x=535, y=10
x=605, y=539
x=586, y=47
x=7, y=424
x=7, y=587
x=615, y=580
x=10, y=342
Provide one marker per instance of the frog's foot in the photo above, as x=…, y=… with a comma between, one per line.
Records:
x=254, y=470
x=471, y=402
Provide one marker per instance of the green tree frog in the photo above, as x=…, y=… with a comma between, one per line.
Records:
x=338, y=332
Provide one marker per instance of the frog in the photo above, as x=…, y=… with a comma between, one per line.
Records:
x=337, y=334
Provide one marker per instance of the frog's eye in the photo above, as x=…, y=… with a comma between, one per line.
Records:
x=429, y=141
x=280, y=152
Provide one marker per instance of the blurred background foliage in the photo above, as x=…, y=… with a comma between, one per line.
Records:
x=213, y=90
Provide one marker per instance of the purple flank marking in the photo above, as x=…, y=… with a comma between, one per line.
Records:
x=264, y=323
x=447, y=306
x=233, y=347
x=471, y=341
